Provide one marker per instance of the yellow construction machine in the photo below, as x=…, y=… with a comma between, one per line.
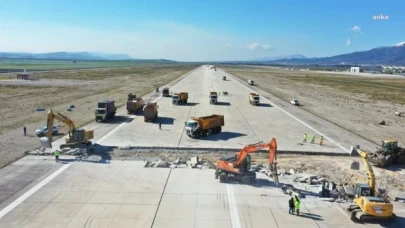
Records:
x=78, y=138
x=367, y=204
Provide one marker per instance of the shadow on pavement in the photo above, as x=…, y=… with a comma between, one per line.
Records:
x=399, y=221
x=118, y=120
x=164, y=120
x=311, y=216
x=226, y=135
x=265, y=105
x=191, y=104
x=223, y=103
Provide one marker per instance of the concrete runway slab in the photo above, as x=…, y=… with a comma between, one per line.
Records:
x=244, y=123
x=83, y=196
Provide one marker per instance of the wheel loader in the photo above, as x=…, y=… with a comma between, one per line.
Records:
x=389, y=153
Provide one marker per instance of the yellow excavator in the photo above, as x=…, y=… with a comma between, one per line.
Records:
x=78, y=138
x=367, y=205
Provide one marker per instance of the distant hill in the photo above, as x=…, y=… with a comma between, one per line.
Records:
x=390, y=55
x=66, y=56
x=298, y=56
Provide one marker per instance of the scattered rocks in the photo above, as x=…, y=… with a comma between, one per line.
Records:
x=382, y=122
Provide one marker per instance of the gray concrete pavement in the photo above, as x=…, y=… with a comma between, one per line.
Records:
x=244, y=123
x=124, y=194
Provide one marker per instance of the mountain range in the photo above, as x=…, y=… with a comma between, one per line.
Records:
x=389, y=55
x=66, y=56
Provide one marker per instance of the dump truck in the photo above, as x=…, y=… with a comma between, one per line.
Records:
x=251, y=82
x=198, y=127
x=180, y=98
x=150, y=112
x=213, y=97
x=134, y=105
x=105, y=110
x=165, y=92
x=224, y=78
x=254, y=99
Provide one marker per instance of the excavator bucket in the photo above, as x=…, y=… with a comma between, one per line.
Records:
x=46, y=142
x=355, y=165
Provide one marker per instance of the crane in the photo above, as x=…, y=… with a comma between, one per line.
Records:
x=367, y=205
x=78, y=138
x=238, y=166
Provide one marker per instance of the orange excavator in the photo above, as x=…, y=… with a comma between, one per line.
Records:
x=237, y=167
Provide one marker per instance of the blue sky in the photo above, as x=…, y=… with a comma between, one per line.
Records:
x=201, y=30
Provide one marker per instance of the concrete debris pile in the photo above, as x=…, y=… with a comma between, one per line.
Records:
x=194, y=162
x=65, y=151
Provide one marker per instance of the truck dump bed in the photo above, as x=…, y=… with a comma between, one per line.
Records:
x=134, y=104
x=213, y=94
x=109, y=105
x=150, y=110
x=182, y=95
x=208, y=122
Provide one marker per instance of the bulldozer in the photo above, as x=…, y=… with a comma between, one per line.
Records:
x=237, y=167
x=78, y=138
x=368, y=205
x=389, y=153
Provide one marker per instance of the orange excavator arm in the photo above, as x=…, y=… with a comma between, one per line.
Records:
x=241, y=155
x=272, y=146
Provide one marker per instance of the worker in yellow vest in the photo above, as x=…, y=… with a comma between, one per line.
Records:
x=297, y=204
x=57, y=154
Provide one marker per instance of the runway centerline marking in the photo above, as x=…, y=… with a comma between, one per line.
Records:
x=233, y=209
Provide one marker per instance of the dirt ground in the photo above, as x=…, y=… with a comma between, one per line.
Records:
x=356, y=103
x=58, y=90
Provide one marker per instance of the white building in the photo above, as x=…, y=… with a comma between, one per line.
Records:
x=355, y=69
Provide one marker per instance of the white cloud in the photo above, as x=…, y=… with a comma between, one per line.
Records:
x=348, y=42
x=256, y=46
x=356, y=29
x=253, y=46
x=266, y=47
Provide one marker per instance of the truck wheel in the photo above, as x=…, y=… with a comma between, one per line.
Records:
x=219, y=129
x=203, y=134
x=185, y=102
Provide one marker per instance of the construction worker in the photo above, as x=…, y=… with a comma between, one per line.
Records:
x=321, y=141
x=305, y=138
x=313, y=139
x=57, y=154
x=297, y=204
x=160, y=125
x=25, y=131
x=291, y=205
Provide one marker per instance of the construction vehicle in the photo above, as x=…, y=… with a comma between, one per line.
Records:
x=78, y=138
x=180, y=98
x=251, y=82
x=134, y=104
x=165, y=92
x=150, y=112
x=367, y=205
x=254, y=99
x=105, y=110
x=224, y=78
x=238, y=167
x=389, y=153
x=213, y=97
x=203, y=126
